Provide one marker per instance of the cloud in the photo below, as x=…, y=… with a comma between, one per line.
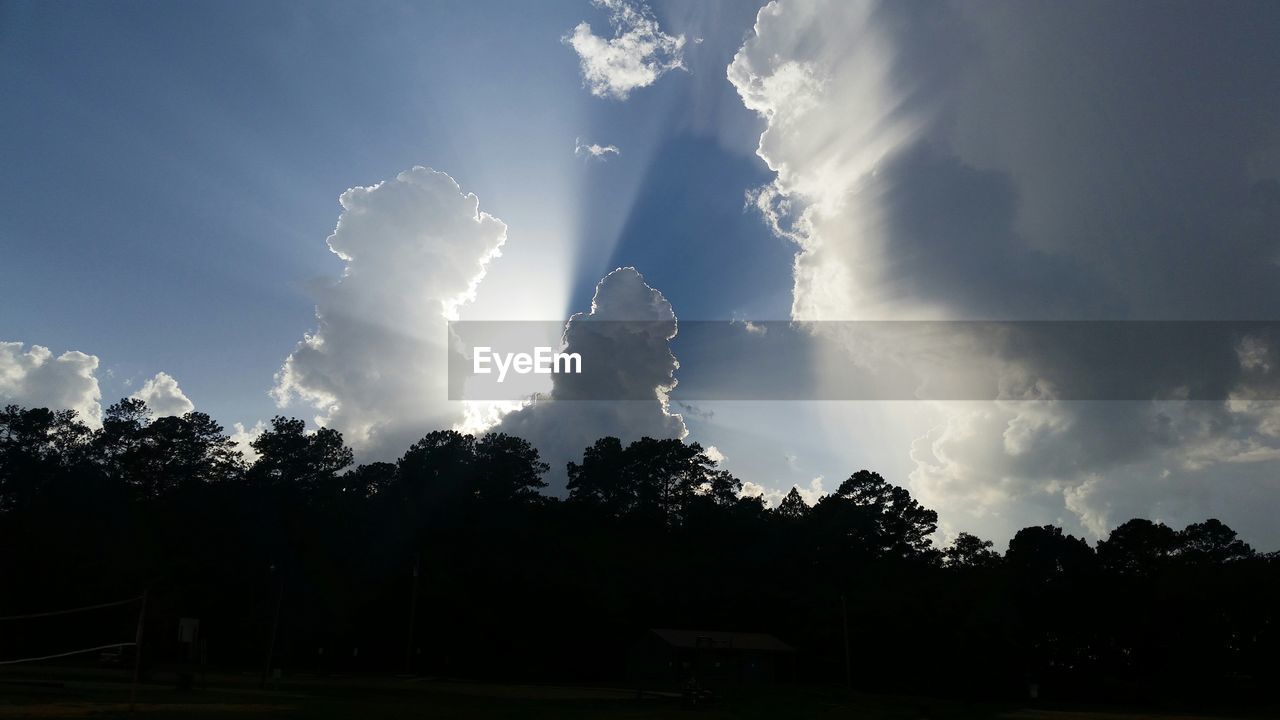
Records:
x=751, y=489
x=35, y=378
x=963, y=164
x=810, y=493
x=636, y=56
x=415, y=249
x=243, y=438
x=628, y=331
x=163, y=396
x=889, y=222
x=924, y=168
x=593, y=151
x=1092, y=465
x=691, y=410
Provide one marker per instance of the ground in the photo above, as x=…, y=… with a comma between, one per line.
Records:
x=68, y=693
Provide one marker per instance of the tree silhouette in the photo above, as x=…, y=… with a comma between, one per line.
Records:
x=1138, y=546
x=1044, y=554
x=866, y=517
x=970, y=551
x=438, y=469
x=38, y=447
x=291, y=458
x=507, y=470
x=600, y=480
x=1212, y=542
x=367, y=481
x=655, y=480
x=792, y=507
x=652, y=534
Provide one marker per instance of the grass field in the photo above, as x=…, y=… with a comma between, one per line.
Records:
x=66, y=693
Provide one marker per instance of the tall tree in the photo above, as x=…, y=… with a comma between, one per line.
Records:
x=438, y=470
x=38, y=447
x=1138, y=546
x=1045, y=554
x=866, y=516
x=793, y=507
x=291, y=458
x=508, y=469
x=600, y=479
x=368, y=480
x=666, y=475
x=970, y=551
x=1212, y=541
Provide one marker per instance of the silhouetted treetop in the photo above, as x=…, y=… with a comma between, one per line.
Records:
x=1045, y=553
x=1138, y=546
x=1212, y=541
x=447, y=467
x=970, y=551
x=291, y=458
x=600, y=480
x=37, y=447
x=792, y=507
x=655, y=480
x=868, y=517
x=508, y=469
x=654, y=533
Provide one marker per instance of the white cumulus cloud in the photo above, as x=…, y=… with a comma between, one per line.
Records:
x=415, y=249
x=243, y=438
x=636, y=56
x=163, y=396
x=36, y=378
x=942, y=164
x=628, y=331
x=811, y=493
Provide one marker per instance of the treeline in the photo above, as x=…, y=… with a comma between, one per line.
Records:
x=503, y=580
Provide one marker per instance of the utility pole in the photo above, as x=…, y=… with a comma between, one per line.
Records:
x=413, y=616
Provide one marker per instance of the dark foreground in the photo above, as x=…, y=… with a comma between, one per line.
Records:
x=34, y=692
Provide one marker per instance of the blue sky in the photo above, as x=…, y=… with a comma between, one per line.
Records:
x=171, y=173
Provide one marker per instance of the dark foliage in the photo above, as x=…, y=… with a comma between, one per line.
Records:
x=509, y=582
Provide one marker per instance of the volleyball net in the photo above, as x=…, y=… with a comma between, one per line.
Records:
x=110, y=629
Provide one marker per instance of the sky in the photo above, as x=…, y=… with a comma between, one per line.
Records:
x=264, y=208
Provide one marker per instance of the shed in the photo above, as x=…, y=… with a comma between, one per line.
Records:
x=670, y=657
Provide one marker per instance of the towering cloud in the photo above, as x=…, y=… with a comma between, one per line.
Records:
x=163, y=396
x=954, y=162
x=415, y=248
x=636, y=56
x=35, y=378
x=629, y=331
